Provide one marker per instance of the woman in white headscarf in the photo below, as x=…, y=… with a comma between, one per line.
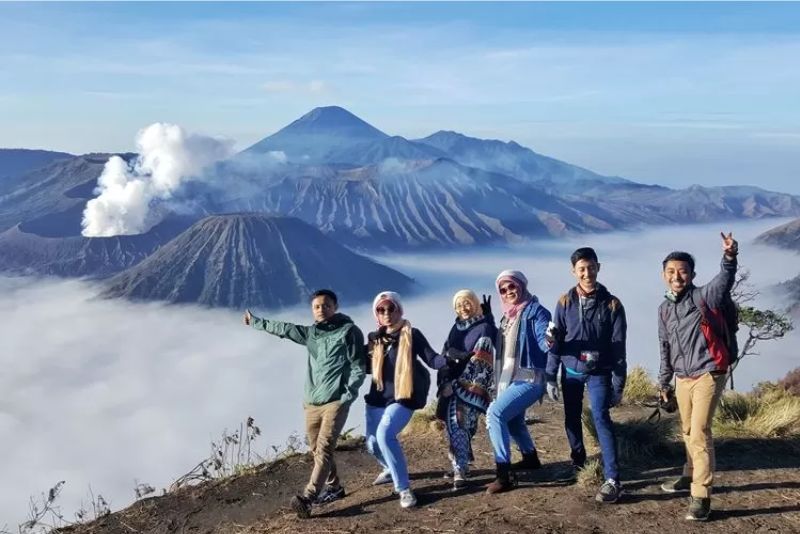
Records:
x=400, y=385
x=464, y=385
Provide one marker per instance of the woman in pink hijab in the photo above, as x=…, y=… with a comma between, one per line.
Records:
x=519, y=371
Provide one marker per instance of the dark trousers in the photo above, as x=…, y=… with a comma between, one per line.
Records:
x=600, y=394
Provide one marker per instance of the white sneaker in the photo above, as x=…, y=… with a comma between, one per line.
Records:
x=459, y=480
x=384, y=478
x=407, y=499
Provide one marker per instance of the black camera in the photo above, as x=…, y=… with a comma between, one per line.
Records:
x=671, y=404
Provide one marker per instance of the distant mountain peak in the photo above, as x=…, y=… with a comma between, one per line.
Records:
x=311, y=137
x=333, y=119
x=452, y=138
x=329, y=113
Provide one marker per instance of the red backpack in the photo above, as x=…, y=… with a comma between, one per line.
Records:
x=719, y=327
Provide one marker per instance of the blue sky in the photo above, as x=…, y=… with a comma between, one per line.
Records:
x=667, y=93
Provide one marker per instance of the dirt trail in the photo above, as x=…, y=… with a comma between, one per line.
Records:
x=757, y=491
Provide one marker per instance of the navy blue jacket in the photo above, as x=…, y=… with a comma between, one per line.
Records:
x=420, y=350
x=600, y=325
x=531, y=343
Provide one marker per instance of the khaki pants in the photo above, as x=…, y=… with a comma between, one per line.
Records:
x=697, y=401
x=324, y=423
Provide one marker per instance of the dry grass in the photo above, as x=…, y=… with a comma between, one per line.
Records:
x=591, y=475
x=637, y=439
x=791, y=382
x=424, y=420
x=768, y=412
x=639, y=387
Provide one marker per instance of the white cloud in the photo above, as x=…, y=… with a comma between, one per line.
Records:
x=104, y=392
x=314, y=87
x=278, y=155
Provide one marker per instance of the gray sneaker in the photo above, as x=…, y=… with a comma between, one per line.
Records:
x=609, y=492
x=699, y=509
x=330, y=494
x=677, y=485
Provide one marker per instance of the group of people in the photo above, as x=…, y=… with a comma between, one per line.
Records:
x=502, y=370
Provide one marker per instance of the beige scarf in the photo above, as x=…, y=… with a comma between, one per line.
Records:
x=403, y=369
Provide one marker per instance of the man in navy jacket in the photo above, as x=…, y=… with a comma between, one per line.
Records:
x=588, y=343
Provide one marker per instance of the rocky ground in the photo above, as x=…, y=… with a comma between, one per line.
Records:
x=757, y=491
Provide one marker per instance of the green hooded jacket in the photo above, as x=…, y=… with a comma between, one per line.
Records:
x=336, y=356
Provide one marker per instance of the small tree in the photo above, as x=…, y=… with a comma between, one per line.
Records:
x=761, y=325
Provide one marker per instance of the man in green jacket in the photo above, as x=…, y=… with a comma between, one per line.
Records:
x=335, y=371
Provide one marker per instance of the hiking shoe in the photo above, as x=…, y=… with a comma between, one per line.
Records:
x=530, y=460
x=407, y=499
x=609, y=492
x=301, y=506
x=330, y=494
x=699, y=509
x=679, y=484
x=384, y=478
x=578, y=459
x=459, y=480
x=505, y=480
x=452, y=474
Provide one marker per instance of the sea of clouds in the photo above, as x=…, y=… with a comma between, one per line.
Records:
x=105, y=393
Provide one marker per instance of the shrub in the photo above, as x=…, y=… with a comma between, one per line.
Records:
x=768, y=412
x=791, y=382
x=591, y=474
x=424, y=420
x=637, y=439
x=639, y=387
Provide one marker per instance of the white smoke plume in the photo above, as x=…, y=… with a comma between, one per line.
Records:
x=168, y=157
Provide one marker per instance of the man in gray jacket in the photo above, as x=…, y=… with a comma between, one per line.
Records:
x=692, y=351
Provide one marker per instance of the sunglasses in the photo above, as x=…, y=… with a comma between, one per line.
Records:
x=505, y=289
x=387, y=309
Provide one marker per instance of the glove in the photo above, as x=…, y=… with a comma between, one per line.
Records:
x=457, y=355
x=383, y=335
x=552, y=391
x=486, y=306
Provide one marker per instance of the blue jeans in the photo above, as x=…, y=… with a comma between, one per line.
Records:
x=383, y=425
x=506, y=419
x=600, y=394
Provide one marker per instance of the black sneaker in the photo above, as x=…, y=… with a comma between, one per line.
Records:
x=699, y=509
x=679, y=484
x=330, y=494
x=530, y=461
x=301, y=505
x=609, y=492
x=578, y=460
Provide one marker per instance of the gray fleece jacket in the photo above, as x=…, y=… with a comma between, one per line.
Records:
x=684, y=351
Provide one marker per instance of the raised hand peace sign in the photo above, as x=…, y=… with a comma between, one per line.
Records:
x=729, y=244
